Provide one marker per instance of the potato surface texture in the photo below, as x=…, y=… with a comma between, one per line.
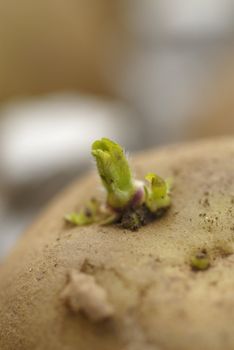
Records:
x=159, y=301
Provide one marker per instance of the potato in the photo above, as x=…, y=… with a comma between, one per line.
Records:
x=130, y=290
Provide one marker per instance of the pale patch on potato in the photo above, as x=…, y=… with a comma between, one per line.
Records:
x=83, y=294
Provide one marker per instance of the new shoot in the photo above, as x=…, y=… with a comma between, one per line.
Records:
x=129, y=202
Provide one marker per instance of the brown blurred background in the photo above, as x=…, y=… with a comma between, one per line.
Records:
x=143, y=73
x=50, y=45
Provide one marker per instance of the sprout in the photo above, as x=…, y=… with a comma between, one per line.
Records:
x=86, y=216
x=157, y=196
x=200, y=261
x=78, y=219
x=129, y=202
x=115, y=172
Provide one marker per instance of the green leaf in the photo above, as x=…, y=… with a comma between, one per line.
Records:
x=157, y=195
x=114, y=172
x=91, y=213
x=87, y=215
x=78, y=219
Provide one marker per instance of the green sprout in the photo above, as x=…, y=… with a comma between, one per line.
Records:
x=86, y=216
x=114, y=172
x=157, y=196
x=200, y=261
x=129, y=202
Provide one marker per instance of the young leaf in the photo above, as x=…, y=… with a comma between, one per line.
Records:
x=157, y=195
x=114, y=171
x=78, y=219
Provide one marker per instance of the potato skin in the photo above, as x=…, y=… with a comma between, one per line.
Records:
x=159, y=302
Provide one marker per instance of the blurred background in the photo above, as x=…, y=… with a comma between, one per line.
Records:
x=144, y=73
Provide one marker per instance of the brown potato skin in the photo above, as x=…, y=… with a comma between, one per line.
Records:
x=159, y=302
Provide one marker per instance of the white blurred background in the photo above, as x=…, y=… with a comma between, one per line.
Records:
x=144, y=73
